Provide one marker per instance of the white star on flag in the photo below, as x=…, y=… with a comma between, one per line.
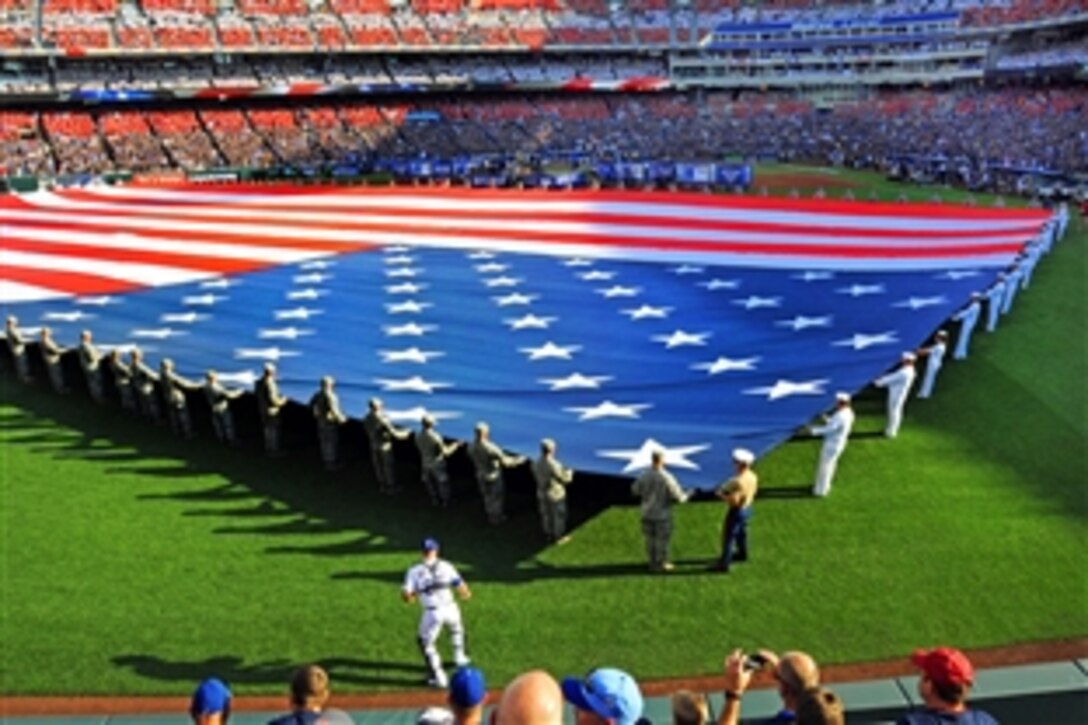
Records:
x=397, y=249
x=679, y=338
x=411, y=354
x=917, y=303
x=755, y=302
x=283, y=333
x=407, y=307
x=515, y=298
x=641, y=457
x=800, y=322
x=687, y=269
x=503, y=282
x=75, y=316
x=860, y=341
x=403, y=272
x=577, y=262
x=411, y=330
x=647, y=312
x=529, y=322
x=306, y=294
x=576, y=381
x=608, y=409
x=481, y=254
x=725, y=365
x=717, y=284
x=299, y=313
x=596, y=275
x=811, y=276
x=202, y=300
x=311, y=278
x=99, y=301
x=786, y=388
x=263, y=353
x=860, y=290
x=316, y=264
x=220, y=283
x=163, y=333
x=492, y=268
x=550, y=350
x=406, y=288
x=417, y=413
x=187, y=318
x=956, y=274
x=399, y=259
x=413, y=384
x=619, y=291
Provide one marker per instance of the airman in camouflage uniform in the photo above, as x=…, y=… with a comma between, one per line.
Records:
x=326, y=409
x=174, y=388
x=219, y=401
x=380, y=433
x=122, y=379
x=269, y=403
x=51, y=355
x=17, y=348
x=90, y=360
x=552, y=479
x=433, y=452
x=490, y=461
x=145, y=382
x=658, y=490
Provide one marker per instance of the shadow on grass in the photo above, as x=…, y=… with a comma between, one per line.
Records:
x=293, y=491
x=273, y=672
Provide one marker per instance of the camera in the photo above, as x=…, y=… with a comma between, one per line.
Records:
x=754, y=662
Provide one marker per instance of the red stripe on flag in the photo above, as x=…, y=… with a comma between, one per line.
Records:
x=74, y=283
x=166, y=259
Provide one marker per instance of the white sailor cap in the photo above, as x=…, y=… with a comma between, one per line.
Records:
x=908, y=357
x=842, y=397
x=743, y=455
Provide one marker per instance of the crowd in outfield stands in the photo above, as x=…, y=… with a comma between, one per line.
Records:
x=610, y=696
x=1025, y=128
x=80, y=25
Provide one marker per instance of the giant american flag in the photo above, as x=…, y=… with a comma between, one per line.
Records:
x=616, y=322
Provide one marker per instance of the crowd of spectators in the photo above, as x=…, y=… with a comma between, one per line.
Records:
x=82, y=25
x=611, y=696
x=1024, y=128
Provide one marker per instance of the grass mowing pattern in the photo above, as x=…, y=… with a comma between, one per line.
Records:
x=134, y=563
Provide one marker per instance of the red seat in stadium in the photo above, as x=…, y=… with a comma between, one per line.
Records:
x=236, y=36
x=67, y=124
x=193, y=7
x=79, y=7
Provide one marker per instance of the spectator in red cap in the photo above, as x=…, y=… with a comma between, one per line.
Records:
x=947, y=677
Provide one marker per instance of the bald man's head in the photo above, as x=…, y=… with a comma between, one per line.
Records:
x=533, y=698
x=797, y=672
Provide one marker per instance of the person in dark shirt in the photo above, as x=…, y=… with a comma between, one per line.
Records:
x=309, y=694
x=947, y=678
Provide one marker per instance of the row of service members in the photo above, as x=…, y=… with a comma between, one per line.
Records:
x=139, y=387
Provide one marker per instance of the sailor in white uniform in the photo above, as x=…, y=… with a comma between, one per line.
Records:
x=898, y=384
x=433, y=582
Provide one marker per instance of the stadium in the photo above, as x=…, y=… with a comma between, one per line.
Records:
x=632, y=228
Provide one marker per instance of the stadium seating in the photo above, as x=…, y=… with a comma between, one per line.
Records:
x=184, y=139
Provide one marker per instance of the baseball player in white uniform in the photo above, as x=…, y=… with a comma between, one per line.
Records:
x=898, y=383
x=835, y=434
x=433, y=582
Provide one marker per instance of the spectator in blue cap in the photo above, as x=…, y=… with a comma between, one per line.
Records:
x=468, y=690
x=211, y=703
x=606, y=696
x=466, y=701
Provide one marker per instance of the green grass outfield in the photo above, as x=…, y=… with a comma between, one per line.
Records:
x=134, y=563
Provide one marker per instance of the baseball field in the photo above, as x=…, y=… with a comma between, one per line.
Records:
x=135, y=563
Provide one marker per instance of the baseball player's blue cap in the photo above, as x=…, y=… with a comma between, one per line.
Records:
x=467, y=687
x=211, y=697
x=609, y=693
x=430, y=544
